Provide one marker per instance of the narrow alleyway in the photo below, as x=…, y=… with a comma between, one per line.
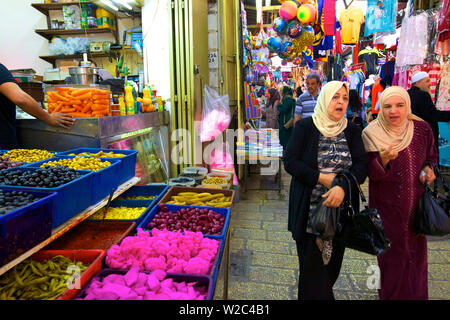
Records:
x=263, y=256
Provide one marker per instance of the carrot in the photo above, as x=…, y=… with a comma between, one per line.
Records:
x=60, y=97
x=79, y=92
x=71, y=102
x=78, y=107
x=62, y=89
x=100, y=96
x=86, y=109
x=84, y=96
x=80, y=115
x=68, y=110
x=99, y=114
x=58, y=108
x=100, y=107
x=102, y=101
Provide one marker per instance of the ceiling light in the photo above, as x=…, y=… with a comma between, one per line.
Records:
x=124, y=3
x=109, y=4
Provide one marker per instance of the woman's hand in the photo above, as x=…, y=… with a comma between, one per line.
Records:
x=388, y=155
x=429, y=175
x=326, y=179
x=61, y=120
x=335, y=197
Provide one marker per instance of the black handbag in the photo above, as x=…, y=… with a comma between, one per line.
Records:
x=362, y=231
x=433, y=217
x=324, y=221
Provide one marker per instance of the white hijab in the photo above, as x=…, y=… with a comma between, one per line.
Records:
x=328, y=127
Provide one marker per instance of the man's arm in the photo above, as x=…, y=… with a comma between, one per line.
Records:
x=24, y=101
x=430, y=112
x=298, y=110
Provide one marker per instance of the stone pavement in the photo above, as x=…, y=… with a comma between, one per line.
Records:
x=263, y=255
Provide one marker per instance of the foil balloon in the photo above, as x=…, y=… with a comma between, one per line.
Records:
x=294, y=29
x=306, y=13
x=297, y=60
x=288, y=10
x=305, y=39
x=247, y=41
x=274, y=43
x=279, y=25
x=286, y=47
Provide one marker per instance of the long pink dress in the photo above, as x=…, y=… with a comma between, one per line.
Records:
x=395, y=192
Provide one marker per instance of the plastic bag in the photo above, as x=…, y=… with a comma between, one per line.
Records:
x=324, y=221
x=221, y=158
x=215, y=115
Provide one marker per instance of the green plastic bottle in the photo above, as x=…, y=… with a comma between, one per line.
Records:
x=129, y=99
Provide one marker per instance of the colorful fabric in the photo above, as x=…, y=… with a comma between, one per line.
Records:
x=351, y=20
x=380, y=16
x=443, y=98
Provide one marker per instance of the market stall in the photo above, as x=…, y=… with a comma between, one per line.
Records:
x=84, y=255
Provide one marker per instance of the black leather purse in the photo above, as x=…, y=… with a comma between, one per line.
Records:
x=362, y=231
x=433, y=217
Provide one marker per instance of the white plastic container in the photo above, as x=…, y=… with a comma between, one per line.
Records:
x=199, y=170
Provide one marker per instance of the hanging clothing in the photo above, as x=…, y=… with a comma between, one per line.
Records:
x=434, y=71
x=351, y=20
x=380, y=16
x=338, y=67
x=443, y=25
x=443, y=97
x=329, y=17
x=338, y=42
x=412, y=44
x=369, y=57
x=376, y=89
x=387, y=72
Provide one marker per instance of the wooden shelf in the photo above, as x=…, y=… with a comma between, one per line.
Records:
x=46, y=7
x=52, y=59
x=65, y=227
x=49, y=33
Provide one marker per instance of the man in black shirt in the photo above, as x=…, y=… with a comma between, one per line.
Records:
x=10, y=96
x=422, y=105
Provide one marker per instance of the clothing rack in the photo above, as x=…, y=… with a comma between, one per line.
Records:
x=361, y=66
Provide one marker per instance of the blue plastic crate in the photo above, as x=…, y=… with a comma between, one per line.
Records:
x=103, y=181
x=128, y=204
x=201, y=281
x=172, y=207
x=25, y=227
x=158, y=190
x=127, y=168
x=72, y=197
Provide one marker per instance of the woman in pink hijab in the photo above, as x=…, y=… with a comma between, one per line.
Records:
x=400, y=147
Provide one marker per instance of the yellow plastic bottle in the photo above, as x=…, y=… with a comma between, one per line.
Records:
x=123, y=108
x=147, y=105
x=129, y=99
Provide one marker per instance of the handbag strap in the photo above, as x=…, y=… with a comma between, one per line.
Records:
x=351, y=177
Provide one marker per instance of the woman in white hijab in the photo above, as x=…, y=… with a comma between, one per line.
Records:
x=400, y=146
x=320, y=147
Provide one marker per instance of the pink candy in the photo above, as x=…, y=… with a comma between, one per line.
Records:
x=165, y=251
x=135, y=285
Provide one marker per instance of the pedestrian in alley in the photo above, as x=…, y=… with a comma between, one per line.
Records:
x=400, y=146
x=286, y=116
x=320, y=147
x=273, y=98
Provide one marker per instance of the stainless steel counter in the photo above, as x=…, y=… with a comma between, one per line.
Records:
x=146, y=132
x=86, y=132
